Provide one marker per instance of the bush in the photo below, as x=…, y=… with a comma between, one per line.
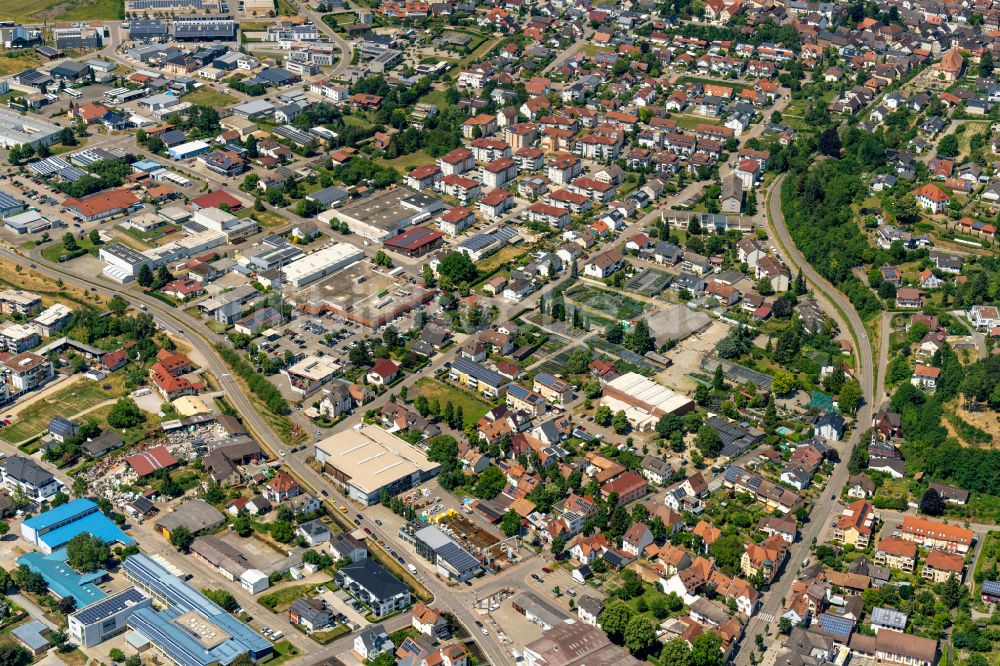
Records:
x=267, y=392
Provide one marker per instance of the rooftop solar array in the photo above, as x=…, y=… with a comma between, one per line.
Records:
x=457, y=557
x=991, y=587
x=110, y=606
x=834, y=624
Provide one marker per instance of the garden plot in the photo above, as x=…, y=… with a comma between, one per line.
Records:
x=649, y=282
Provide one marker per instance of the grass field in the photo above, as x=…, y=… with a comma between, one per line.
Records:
x=283, y=651
x=67, y=402
x=13, y=62
x=266, y=218
x=478, y=53
x=437, y=98
x=408, y=162
x=78, y=10
x=56, y=248
x=357, y=121
x=688, y=121
x=283, y=598
x=472, y=408
x=210, y=97
x=507, y=255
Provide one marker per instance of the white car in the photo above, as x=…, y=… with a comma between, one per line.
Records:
x=486, y=632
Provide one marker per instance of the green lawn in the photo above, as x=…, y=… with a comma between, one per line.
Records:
x=56, y=249
x=283, y=598
x=472, y=407
x=206, y=96
x=357, y=121
x=266, y=218
x=76, y=10
x=690, y=121
x=478, y=53
x=283, y=651
x=406, y=163
x=69, y=401
x=436, y=97
x=13, y=62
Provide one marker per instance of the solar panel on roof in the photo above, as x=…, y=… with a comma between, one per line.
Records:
x=107, y=607
x=841, y=626
x=457, y=557
x=991, y=587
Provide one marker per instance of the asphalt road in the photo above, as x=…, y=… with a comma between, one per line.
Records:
x=839, y=307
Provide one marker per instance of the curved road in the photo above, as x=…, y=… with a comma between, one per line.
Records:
x=839, y=307
x=195, y=333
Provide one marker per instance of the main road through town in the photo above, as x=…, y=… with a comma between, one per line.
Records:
x=836, y=304
x=194, y=332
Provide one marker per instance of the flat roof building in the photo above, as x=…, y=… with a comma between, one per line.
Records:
x=194, y=514
x=104, y=619
x=321, y=263
x=191, y=630
x=55, y=528
x=384, y=214
x=643, y=400
x=18, y=130
x=367, y=460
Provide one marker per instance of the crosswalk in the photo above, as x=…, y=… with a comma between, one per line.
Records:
x=766, y=617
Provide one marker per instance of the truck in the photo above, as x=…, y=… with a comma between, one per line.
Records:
x=413, y=569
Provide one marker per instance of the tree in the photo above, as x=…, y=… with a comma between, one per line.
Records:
x=29, y=581
x=620, y=422
x=282, y=530
x=907, y=211
x=458, y=268
x=931, y=503
x=223, y=598
x=640, y=340
x=603, y=416
x=615, y=618
x=145, y=277
x=69, y=242
x=125, y=414
x=727, y=551
x=708, y=441
x=948, y=146
x=706, y=650
x=986, y=64
x=58, y=639
x=80, y=486
x=118, y=305
x=181, y=539
x=850, y=396
x=491, y=482
x=783, y=382
x=614, y=334
x=136, y=660
x=829, y=143
x=86, y=552
x=676, y=653
x=4, y=528
x=116, y=655
x=785, y=626
x=14, y=655
x=242, y=525
x=511, y=523
x=558, y=546
x=640, y=635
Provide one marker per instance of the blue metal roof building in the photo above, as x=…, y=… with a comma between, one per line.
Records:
x=62, y=580
x=56, y=527
x=185, y=630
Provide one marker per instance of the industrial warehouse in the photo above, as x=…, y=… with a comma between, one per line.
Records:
x=367, y=460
